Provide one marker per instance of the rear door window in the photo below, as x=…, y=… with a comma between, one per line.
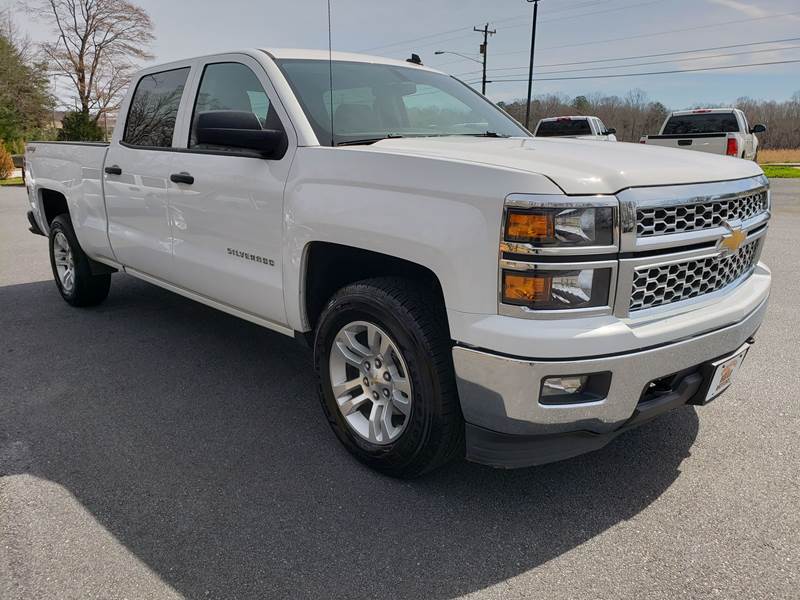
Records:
x=564, y=127
x=702, y=123
x=154, y=109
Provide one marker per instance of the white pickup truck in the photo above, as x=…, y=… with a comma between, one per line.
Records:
x=582, y=128
x=714, y=130
x=467, y=289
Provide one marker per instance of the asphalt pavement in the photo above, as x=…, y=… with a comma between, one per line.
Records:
x=152, y=447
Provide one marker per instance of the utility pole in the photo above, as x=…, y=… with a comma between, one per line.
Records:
x=530, y=67
x=484, y=50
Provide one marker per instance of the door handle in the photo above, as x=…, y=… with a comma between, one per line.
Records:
x=182, y=177
x=114, y=170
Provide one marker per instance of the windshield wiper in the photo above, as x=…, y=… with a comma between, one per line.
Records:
x=367, y=141
x=490, y=134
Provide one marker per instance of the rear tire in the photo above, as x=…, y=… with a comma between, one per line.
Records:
x=404, y=379
x=72, y=268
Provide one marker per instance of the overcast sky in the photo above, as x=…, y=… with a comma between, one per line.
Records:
x=569, y=31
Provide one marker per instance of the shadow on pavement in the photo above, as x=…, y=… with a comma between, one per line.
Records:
x=197, y=440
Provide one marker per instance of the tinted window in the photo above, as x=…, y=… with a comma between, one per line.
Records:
x=232, y=86
x=154, y=109
x=564, y=127
x=702, y=123
x=372, y=101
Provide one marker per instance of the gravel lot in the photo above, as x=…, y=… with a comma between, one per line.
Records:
x=155, y=448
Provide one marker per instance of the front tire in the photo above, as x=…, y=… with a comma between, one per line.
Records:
x=71, y=267
x=386, y=382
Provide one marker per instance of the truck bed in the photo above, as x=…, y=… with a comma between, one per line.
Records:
x=75, y=170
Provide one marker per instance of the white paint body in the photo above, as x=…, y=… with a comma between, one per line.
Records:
x=436, y=202
x=746, y=140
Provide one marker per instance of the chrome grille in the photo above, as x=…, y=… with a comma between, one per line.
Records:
x=659, y=285
x=657, y=220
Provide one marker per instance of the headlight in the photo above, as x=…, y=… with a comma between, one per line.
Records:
x=561, y=226
x=557, y=289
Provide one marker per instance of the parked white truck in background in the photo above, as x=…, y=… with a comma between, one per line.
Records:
x=583, y=128
x=714, y=130
x=466, y=288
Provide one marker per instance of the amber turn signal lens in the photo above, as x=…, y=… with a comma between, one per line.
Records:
x=526, y=288
x=530, y=227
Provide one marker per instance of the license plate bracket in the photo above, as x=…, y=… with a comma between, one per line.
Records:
x=723, y=371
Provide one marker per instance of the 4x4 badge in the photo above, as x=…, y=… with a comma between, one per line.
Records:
x=731, y=242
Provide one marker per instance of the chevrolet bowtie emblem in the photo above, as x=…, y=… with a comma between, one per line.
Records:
x=731, y=242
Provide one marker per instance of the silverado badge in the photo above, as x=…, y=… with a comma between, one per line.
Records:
x=731, y=242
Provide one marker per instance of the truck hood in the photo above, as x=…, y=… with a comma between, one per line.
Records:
x=578, y=166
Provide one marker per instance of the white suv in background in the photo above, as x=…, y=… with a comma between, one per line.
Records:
x=584, y=128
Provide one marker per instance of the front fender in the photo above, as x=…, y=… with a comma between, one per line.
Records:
x=442, y=214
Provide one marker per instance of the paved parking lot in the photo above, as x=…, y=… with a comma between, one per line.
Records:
x=155, y=448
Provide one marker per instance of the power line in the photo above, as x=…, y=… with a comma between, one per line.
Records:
x=673, y=53
x=423, y=37
x=436, y=34
x=654, y=62
x=645, y=35
x=613, y=76
x=557, y=11
x=597, y=12
x=661, y=62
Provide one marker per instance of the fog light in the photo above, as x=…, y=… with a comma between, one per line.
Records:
x=575, y=389
x=556, y=386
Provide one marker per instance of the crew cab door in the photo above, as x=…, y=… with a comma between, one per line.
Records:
x=227, y=208
x=136, y=174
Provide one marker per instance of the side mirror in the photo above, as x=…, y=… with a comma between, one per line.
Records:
x=239, y=129
x=759, y=128
x=610, y=131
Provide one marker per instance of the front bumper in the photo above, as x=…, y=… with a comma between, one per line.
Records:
x=507, y=425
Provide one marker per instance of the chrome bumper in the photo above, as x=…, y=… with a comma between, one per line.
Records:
x=500, y=393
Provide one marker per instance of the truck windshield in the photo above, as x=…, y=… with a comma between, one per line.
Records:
x=376, y=101
x=563, y=127
x=701, y=123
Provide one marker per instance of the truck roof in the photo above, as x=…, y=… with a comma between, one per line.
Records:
x=698, y=111
x=571, y=117
x=293, y=53
x=311, y=54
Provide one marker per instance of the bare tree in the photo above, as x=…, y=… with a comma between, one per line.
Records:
x=98, y=44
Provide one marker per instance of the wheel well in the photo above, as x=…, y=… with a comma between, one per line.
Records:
x=330, y=267
x=54, y=204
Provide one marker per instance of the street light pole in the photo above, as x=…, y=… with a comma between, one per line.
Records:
x=530, y=66
x=485, y=51
x=464, y=56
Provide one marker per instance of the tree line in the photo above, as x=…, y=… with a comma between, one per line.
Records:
x=96, y=46
x=25, y=101
x=634, y=115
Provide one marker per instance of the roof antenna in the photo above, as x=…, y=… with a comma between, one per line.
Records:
x=330, y=69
